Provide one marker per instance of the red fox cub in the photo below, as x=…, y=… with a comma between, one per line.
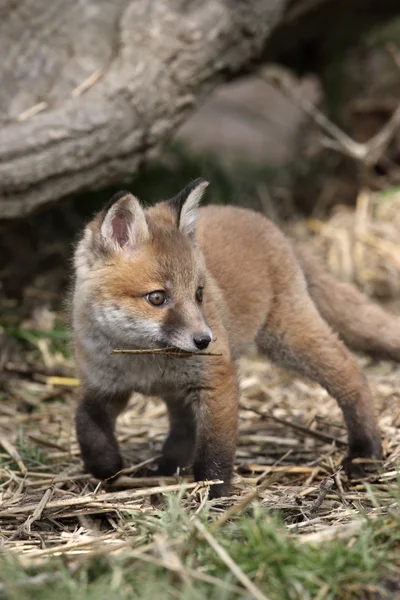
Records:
x=221, y=278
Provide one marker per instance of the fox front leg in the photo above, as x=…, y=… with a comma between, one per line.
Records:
x=217, y=422
x=179, y=447
x=95, y=423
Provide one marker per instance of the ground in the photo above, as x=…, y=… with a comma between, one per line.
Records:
x=294, y=526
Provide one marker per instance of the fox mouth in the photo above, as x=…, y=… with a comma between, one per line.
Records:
x=173, y=349
x=176, y=350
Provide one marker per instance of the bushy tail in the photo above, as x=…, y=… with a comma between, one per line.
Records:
x=360, y=323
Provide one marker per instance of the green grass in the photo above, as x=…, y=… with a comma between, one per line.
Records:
x=31, y=454
x=278, y=563
x=59, y=340
x=388, y=193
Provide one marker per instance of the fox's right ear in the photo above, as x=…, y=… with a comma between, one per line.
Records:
x=124, y=225
x=186, y=205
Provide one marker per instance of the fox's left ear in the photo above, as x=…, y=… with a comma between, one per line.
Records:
x=124, y=225
x=186, y=204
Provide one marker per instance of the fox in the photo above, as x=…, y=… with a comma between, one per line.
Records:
x=218, y=278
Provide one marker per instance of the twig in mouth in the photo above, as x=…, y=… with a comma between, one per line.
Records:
x=166, y=351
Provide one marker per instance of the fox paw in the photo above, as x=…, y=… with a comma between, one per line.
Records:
x=357, y=467
x=167, y=467
x=107, y=469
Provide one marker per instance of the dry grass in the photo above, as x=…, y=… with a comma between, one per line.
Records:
x=362, y=246
x=291, y=443
x=291, y=440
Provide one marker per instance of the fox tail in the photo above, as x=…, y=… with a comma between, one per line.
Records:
x=362, y=325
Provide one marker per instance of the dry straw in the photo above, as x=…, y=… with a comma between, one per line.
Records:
x=291, y=443
x=362, y=246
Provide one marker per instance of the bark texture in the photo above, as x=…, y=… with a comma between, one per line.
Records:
x=90, y=88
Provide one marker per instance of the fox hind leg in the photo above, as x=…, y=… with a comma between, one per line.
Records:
x=296, y=337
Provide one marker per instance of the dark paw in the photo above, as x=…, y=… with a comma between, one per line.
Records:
x=220, y=490
x=358, y=467
x=106, y=469
x=168, y=467
x=353, y=470
x=363, y=459
x=207, y=473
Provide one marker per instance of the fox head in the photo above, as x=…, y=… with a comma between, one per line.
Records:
x=140, y=277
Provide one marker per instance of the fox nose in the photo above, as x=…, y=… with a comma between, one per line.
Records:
x=202, y=340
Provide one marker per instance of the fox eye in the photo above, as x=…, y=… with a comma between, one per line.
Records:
x=199, y=295
x=156, y=298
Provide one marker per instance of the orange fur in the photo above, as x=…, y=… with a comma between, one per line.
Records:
x=257, y=290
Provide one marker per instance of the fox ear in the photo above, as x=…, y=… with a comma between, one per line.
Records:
x=186, y=205
x=124, y=225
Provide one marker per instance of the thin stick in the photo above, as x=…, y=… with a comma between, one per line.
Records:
x=87, y=83
x=107, y=497
x=35, y=516
x=32, y=111
x=166, y=351
x=326, y=486
x=224, y=556
x=80, y=545
x=325, y=437
x=13, y=452
x=65, y=381
x=53, y=479
x=261, y=478
x=235, y=509
x=238, y=508
x=367, y=153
